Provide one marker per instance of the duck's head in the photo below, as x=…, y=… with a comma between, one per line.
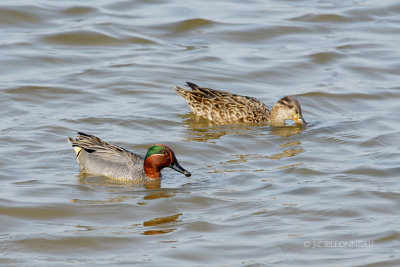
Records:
x=158, y=157
x=287, y=108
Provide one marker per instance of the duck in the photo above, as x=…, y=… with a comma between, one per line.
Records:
x=226, y=108
x=97, y=157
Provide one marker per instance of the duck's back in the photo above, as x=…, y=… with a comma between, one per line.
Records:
x=98, y=157
x=224, y=107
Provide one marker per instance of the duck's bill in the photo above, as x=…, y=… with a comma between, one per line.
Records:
x=175, y=166
x=300, y=121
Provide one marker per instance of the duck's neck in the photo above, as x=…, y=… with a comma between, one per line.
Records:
x=276, y=116
x=151, y=168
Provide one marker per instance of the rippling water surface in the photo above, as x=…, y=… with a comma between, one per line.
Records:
x=327, y=195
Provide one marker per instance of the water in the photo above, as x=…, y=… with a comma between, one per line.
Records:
x=327, y=195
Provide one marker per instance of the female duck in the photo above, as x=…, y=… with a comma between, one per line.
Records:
x=98, y=157
x=227, y=108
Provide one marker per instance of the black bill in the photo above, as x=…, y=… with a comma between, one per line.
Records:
x=175, y=166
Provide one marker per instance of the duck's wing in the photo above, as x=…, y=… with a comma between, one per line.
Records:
x=103, y=150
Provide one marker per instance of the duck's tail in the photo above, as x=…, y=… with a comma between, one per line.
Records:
x=76, y=144
x=77, y=148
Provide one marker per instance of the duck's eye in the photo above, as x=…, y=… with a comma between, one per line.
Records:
x=165, y=152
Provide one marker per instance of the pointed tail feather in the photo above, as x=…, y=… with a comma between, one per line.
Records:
x=193, y=86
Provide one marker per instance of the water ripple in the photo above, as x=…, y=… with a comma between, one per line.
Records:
x=258, y=195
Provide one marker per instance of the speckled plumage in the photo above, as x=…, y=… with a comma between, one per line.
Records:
x=227, y=108
x=95, y=156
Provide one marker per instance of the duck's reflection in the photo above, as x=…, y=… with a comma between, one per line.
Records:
x=153, y=189
x=286, y=131
x=156, y=226
x=161, y=222
x=289, y=152
x=242, y=159
x=202, y=130
x=158, y=195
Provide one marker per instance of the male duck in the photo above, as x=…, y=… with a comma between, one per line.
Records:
x=98, y=157
x=226, y=108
